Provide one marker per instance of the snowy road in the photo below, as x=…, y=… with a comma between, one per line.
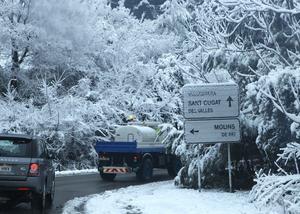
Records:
x=69, y=187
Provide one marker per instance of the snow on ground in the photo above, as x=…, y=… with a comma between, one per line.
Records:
x=163, y=197
x=75, y=172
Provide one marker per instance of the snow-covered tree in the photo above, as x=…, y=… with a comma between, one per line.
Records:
x=255, y=44
x=16, y=32
x=83, y=86
x=46, y=33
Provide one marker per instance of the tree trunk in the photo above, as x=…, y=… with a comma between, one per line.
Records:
x=15, y=69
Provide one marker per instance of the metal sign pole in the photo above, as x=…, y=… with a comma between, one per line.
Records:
x=229, y=167
x=199, y=169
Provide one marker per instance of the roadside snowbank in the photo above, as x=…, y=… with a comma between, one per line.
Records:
x=75, y=172
x=163, y=197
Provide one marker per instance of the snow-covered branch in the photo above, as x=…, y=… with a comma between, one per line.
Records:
x=291, y=152
x=283, y=191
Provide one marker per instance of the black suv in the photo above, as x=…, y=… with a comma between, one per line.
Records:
x=26, y=171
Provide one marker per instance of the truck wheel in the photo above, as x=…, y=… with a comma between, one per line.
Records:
x=171, y=172
x=107, y=177
x=145, y=173
x=174, y=166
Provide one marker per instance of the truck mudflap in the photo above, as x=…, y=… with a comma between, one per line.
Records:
x=116, y=170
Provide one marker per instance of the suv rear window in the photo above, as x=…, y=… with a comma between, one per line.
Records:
x=15, y=148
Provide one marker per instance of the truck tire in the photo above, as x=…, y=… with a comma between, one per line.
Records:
x=174, y=166
x=171, y=172
x=145, y=173
x=107, y=177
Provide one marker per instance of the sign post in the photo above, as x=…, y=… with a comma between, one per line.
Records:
x=211, y=113
x=199, y=169
x=229, y=167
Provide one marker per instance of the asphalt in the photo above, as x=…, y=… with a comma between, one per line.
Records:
x=69, y=187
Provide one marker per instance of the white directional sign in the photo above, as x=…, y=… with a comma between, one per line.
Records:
x=210, y=112
x=212, y=131
x=212, y=100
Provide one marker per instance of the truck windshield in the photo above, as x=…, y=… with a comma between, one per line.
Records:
x=15, y=148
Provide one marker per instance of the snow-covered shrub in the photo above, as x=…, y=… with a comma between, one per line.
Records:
x=273, y=106
x=212, y=166
x=281, y=189
x=291, y=153
x=278, y=192
x=172, y=137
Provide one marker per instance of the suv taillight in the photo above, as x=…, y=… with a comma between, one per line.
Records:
x=34, y=169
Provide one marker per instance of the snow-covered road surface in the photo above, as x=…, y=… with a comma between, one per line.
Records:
x=163, y=197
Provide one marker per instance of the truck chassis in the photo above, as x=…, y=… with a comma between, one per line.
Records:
x=125, y=157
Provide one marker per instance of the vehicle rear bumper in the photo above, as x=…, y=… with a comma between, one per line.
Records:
x=116, y=170
x=31, y=184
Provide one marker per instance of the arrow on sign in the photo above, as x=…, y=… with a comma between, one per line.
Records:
x=193, y=131
x=229, y=99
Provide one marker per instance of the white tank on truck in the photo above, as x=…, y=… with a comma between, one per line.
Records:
x=143, y=135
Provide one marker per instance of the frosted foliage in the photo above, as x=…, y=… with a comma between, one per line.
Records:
x=13, y=27
x=92, y=67
x=175, y=16
x=292, y=151
x=280, y=191
x=48, y=33
x=173, y=138
x=66, y=28
x=273, y=99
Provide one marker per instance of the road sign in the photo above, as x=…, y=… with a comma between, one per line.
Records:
x=212, y=131
x=211, y=100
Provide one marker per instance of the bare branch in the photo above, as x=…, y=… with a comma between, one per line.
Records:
x=276, y=52
x=280, y=107
x=245, y=75
x=24, y=55
x=260, y=57
x=251, y=69
x=200, y=70
x=296, y=94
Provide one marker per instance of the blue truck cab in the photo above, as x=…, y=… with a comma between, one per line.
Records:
x=135, y=149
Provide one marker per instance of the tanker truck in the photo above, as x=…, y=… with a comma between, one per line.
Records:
x=136, y=148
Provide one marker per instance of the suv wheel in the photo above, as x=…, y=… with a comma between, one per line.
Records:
x=8, y=204
x=50, y=196
x=38, y=201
